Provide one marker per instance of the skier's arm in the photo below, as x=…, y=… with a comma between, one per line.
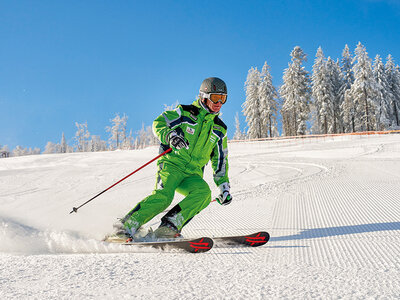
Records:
x=219, y=160
x=165, y=123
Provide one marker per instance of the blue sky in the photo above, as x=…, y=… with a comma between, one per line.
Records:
x=63, y=62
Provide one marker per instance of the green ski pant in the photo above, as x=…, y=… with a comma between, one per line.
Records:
x=170, y=179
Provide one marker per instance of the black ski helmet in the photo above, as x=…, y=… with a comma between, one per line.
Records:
x=213, y=85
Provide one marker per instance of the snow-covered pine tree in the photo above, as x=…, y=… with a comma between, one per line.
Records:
x=82, y=137
x=34, y=151
x=316, y=80
x=346, y=102
x=19, y=151
x=136, y=143
x=295, y=93
x=141, y=139
x=333, y=69
x=129, y=141
x=117, y=131
x=51, y=148
x=393, y=79
x=322, y=92
x=268, y=103
x=349, y=112
x=251, y=107
x=151, y=138
x=364, y=90
x=325, y=91
x=238, y=135
x=384, y=111
x=96, y=144
x=63, y=144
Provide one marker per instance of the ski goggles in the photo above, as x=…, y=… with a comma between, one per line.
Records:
x=215, y=98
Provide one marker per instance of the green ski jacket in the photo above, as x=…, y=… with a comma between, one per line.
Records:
x=206, y=134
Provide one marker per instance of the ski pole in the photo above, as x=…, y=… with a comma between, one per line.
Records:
x=75, y=209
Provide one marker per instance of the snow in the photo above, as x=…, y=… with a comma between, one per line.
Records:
x=331, y=206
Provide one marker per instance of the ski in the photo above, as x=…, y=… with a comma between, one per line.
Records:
x=198, y=245
x=252, y=240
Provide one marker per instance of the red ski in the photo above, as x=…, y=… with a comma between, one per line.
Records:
x=253, y=240
x=198, y=245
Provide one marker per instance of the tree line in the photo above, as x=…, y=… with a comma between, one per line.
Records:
x=119, y=138
x=351, y=94
x=83, y=141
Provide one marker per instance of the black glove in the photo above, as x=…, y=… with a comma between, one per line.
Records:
x=177, y=141
x=225, y=197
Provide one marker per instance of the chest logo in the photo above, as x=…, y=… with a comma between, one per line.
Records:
x=213, y=139
x=190, y=130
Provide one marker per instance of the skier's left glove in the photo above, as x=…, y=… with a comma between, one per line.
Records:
x=224, y=197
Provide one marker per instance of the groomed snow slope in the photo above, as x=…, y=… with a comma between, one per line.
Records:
x=331, y=205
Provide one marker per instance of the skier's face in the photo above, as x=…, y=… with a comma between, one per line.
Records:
x=214, y=107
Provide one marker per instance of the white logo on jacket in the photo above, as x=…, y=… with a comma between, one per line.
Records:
x=190, y=130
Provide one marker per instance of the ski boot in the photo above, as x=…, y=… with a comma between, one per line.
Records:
x=166, y=232
x=121, y=232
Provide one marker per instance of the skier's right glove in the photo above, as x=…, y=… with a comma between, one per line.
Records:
x=225, y=197
x=177, y=141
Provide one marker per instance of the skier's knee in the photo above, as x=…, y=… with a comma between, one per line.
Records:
x=163, y=196
x=203, y=192
x=205, y=195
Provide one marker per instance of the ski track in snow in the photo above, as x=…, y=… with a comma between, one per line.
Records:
x=331, y=205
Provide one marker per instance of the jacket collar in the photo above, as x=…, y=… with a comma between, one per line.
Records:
x=198, y=103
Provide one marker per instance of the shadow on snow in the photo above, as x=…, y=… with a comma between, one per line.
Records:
x=338, y=231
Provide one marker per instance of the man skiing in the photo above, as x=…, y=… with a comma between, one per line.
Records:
x=196, y=135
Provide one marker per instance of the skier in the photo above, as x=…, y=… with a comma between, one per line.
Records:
x=196, y=135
